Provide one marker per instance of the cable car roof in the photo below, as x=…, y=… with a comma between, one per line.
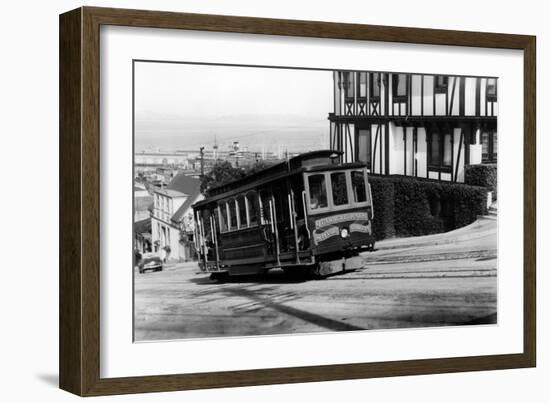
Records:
x=310, y=161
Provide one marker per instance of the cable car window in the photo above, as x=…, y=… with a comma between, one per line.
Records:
x=232, y=206
x=265, y=212
x=215, y=222
x=317, y=192
x=223, y=217
x=297, y=187
x=339, y=188
x=358, y=186
x=205, y=215
x=280, y=197
x=241, y=205
x=252, y=205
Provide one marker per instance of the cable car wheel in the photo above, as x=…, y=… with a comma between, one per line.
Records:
x=304, y=271
x=221, y=276
x=315, y=272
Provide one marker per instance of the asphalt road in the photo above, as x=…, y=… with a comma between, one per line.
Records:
x=440, y=280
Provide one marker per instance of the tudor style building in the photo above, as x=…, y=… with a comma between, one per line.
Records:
x=421, y=125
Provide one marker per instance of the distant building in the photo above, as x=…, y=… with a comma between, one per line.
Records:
x=142, y=236
x=172, y=221
x=161, y=159
x=142, y=200
x=423, y=125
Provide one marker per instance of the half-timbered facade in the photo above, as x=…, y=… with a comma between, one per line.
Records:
x=421, y=125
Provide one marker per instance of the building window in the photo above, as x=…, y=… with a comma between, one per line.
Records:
x=433, y=150
x=399, y=86
x=441, y=84
x=348, y=84
x=375, y=86
x=362, y=85
x=491, y=89
x=447, y=150
x=489, y=147
x=440, y=151
x=363, y=148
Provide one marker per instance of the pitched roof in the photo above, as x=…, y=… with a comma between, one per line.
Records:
x=171, y=192
x=190, y=186
x=142, y=226
x=184, y=183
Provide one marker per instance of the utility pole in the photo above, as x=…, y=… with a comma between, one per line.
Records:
x=287, y=160
x=236, y=151
x=202, y=161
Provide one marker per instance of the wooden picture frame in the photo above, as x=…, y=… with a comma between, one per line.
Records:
x=79, y=346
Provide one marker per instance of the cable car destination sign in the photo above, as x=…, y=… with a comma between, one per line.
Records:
x=358, y=219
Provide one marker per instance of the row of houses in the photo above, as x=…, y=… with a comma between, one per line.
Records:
x=168, y=228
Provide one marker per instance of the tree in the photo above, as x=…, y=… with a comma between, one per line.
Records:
x=221, y=173
x=258, y=166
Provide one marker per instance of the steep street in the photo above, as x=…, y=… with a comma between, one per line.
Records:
x=438, y=280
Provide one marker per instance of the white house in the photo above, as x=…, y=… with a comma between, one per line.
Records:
x=421, y=125
x=172, y=221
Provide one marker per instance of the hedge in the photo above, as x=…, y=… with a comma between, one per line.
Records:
x=383, y=196
x=408, y=206
x=482, y=175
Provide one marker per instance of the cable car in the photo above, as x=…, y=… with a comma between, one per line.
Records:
x=310, y=213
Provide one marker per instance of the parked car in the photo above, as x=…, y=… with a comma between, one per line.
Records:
x=150, y=261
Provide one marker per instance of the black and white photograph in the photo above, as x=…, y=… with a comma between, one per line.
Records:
x=270, y=200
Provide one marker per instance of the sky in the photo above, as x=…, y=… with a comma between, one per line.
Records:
x=186, y=106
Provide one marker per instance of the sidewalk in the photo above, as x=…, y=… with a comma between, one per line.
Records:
x=180, y=265
x=480, y=228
